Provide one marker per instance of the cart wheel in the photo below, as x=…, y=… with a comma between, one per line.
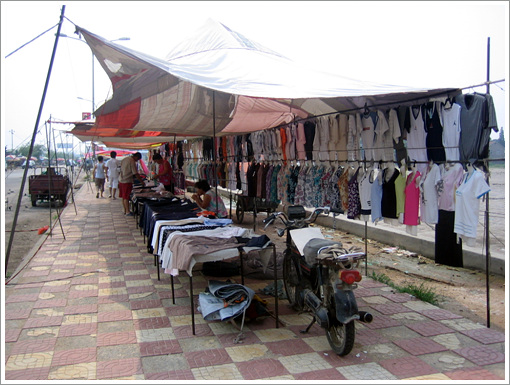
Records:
x=34, y=201
x=240, y=211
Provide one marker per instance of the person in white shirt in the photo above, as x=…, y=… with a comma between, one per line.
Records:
x=112, y=176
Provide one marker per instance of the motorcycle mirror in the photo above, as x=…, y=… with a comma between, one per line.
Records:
x=268, y=223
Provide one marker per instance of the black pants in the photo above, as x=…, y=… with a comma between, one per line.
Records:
x=448, y=251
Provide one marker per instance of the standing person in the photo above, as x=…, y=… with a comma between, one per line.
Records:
x=128, y=171
x=99, y=173
x=165, y=173
x=210, y=201
x=113, y=166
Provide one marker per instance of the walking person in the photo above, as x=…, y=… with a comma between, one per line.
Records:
x=112, y=176
x=165, y=173
x=128, y=171
x=99, y=173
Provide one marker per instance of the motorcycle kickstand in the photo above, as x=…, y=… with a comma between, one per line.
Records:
x=308, y=327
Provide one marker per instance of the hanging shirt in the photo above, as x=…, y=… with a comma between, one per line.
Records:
x=367, y=129
x=429, y=208
x=353, y=138
x=365, y=192
x=389, y=197
x=476, y=120
x=354, y=200
x=451, y=178
x=300, y=141
x=434, y=129
x=343, y=132
x=412, y=200
x=451, y=130
x=376, y=196
x=416, y=138
x=467, y=204
x=400, y=185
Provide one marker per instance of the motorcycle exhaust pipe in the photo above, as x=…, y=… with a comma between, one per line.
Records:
x=314, y=303
x=365, y=317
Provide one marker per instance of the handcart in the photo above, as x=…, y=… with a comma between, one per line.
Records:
x=254, y=204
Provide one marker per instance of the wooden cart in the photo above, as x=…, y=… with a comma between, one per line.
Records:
x=49, y=187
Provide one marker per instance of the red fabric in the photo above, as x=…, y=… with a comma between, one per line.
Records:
x=127, y=116
x=125, y=190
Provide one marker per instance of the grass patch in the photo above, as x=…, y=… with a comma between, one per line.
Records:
x=421, y=292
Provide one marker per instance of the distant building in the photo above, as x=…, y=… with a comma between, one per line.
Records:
x=496, y=151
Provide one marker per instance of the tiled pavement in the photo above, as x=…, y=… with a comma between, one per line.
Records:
x=90, y=307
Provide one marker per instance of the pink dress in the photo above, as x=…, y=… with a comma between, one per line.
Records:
x=412, y=202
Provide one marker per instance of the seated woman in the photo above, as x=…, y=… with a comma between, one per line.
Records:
x=210, y=201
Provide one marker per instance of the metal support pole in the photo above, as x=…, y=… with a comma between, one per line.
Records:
x=487, y=233
x=214, y=148
x=22, y=188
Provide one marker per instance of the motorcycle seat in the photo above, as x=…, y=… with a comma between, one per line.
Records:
x=313, y=246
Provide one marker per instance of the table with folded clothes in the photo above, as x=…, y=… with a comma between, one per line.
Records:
x=182, y=250
x=172, y=209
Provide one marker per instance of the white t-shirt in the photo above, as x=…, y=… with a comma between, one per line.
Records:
x=367, y=129
x=451, y=131
x=467, y=204
x=429, y=207
x=113, y=166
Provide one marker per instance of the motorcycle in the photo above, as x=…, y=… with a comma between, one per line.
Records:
x=319, y=276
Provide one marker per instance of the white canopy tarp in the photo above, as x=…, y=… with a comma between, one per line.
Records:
x=218, y=81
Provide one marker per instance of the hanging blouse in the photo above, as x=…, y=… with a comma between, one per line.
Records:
x=309, y=128
x=389, y=197
x=365, y=192
x=416, y=138
x=300, y=141
x=299, y=198
x=354, y=210
x=335, y=198
x=343, y=188
x=353, y=138
x=412, y=200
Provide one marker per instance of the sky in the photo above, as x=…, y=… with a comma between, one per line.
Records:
x=420, y=44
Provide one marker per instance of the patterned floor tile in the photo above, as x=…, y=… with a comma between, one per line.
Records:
x=153, y=335
x=116, y=338
x=28, y=374
x=241, y=352
x=383, y=321
x=34, y=346
x=152, y=323
x=209, y=357
x=22, y=313
x=118, y=368
x=199, y=343
x=439, y=314
x=175, y=375
x=320, y=375
x=227, y=372
x=12, y=335
x=263, y=368
x=390, y=308
x=481, y=355
x=399, y=297
x=201, y=330
x=289, y=347
x=80, y=309
x=485, y=336
x=117, y=315
x=301, y=363
x=228, y=339
x=475, y=373
x=26, y=361
x=369, y=337
x=370, y=371
x=420, y=345
x=429, y=328
x=146, y=304
x=75, y=356
x=407, y=367
x=156, y=348
x=42, y=322
x=271, y=335
x=77, y=330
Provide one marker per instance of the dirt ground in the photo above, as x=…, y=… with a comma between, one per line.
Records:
x=461, y=291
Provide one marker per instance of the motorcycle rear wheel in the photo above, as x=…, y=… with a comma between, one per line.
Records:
x=341, y=337
x=291, y=281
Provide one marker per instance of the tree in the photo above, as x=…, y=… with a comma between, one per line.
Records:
x=501, y=138
x=38, y=151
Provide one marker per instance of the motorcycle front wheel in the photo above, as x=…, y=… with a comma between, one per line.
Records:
x=341, y=337
x=291, y=280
